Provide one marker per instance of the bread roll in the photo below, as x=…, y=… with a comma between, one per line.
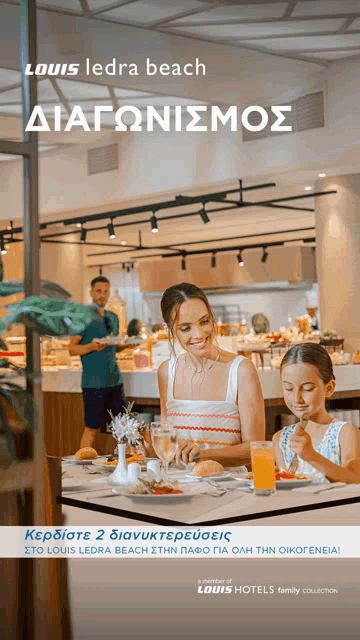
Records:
x=86, y=453
x=207, y=468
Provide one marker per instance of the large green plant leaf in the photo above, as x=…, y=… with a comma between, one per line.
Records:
x=49, y=316
x=48, y=288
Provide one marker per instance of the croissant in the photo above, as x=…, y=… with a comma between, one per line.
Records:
x=85, y=453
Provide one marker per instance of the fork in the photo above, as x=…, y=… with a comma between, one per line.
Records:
x=295, y=460
x=91, y=471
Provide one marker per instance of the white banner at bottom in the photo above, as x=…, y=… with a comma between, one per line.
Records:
x=156, y=542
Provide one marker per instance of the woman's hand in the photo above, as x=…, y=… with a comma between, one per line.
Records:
x=300, y=443
x=186, y=451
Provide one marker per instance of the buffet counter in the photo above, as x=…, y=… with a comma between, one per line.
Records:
x=143, y=382
x=63, y=410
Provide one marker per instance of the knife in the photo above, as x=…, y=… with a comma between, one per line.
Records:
x=335, y=485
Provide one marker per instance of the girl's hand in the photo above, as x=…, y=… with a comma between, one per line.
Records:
x=301, y=444
x=186, y=451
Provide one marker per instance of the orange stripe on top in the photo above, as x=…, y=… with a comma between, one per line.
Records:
x=226, y=444
x=203, y=415
x=178, y=426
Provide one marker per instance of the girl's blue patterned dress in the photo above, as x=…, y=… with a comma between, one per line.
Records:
x=328, y=447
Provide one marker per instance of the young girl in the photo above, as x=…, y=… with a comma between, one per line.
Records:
x=328, y=446
x=211, y=396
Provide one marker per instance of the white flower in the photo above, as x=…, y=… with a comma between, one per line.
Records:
x=125, y=429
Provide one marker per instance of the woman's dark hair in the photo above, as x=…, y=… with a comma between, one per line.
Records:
x=172, y=300
x=310, y=353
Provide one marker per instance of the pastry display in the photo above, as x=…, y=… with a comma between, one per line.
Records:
x=86, y=453
x=207, y=468
x=339, y=357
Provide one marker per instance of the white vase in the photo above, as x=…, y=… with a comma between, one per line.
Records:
x=120, y=476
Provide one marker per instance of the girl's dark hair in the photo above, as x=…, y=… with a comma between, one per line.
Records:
x=310, y=353
x=172, y=300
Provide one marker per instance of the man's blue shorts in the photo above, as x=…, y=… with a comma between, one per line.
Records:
x=98, y=403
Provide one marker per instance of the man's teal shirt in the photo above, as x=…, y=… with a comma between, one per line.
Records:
x=100, y=368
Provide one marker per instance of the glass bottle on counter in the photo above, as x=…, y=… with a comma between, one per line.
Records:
x=117, y=305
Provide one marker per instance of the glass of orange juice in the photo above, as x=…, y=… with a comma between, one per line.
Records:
x=263, y=467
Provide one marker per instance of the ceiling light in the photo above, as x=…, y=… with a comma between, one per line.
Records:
x=154, y=227
x=240, y=260
x=128, y=268
x=2, y=245
x=264, y=255
x=79, y=224
x=321, y=175
x=204, y=216
x=213, y=260
x=183, y=263
x=83, y=234
x=308, y=188
x=123, y=242
x=111, y=230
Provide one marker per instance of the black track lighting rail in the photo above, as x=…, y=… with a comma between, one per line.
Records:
x=219, y=197
x=173, y=247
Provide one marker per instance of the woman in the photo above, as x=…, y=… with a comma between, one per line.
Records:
x=211, y=396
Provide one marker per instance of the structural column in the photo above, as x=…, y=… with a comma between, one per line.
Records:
x=337, y=219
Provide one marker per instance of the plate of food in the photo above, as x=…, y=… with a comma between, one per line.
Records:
x=110, y=462
x=286, y=480
x=156, y=492
x=110, y=340
x=86, y=455
x=209, y=470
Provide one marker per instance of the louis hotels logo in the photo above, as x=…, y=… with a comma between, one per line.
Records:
x=222, y=586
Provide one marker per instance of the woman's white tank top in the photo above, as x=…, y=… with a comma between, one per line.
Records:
x=209, y=423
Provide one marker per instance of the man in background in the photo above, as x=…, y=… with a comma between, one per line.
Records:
x=102, y=384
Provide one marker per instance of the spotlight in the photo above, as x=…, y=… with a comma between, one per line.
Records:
x=2, y=245
x=79, y=224
x=123, y=242
x=183, y=263
x=264, y=255
x=127, y=268
x=123, y=266
x=213, y=260
x=100, y=271
x=154, y=227
x=204, y=216
x=321, y=175
x=111, y=230
x=83, y=234
x=240, y=260
x=308, y=188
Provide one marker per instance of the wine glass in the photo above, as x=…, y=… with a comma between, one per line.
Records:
x=164, y=441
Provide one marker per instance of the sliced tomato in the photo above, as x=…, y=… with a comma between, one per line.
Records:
x=284, y=475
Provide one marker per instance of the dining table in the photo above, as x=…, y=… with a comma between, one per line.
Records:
x=86, y=489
